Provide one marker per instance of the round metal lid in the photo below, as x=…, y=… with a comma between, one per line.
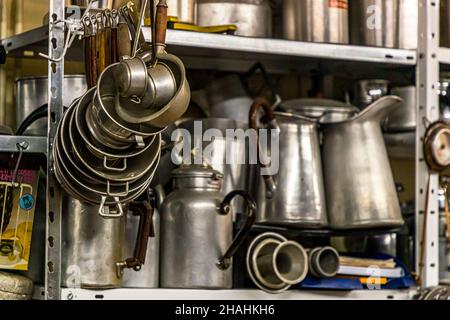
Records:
x=196, y=171
x=15, y=284
x=322, y=110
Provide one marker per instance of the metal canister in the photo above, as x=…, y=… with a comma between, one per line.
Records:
x=15, y=287
x=316, y=20
x=197, y=230
x=374, y=23
x=369, y=91
x=183, y=10
x=253, y=18
x=92, y=246
x=32, y=93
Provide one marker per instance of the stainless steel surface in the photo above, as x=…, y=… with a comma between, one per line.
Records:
x=253, y=18
x=15, y=287
x=148, y=276
x=404, y=117
x=229, y=157
x=190, y=251
x=408, y=23
x=369, y=91
x=360, y=188
x=275, y=264
x=374, y=23
x=320, y=109
x=299, y=199
x=55, y=110
x=32, y=92
x=184, y=10
x=316, y=21
x=323, y=262
x=92, y=246
x=228, y=99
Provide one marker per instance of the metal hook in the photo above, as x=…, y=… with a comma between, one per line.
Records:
x=20, y=147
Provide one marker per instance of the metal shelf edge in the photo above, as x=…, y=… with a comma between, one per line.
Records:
x=167, y=294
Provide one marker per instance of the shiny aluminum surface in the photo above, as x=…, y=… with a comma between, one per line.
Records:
x=184, y=10
x=253, y=18
x=316, y=21
x=299, y=199
x=359, y=184
x=403, y=118
x=91, y=247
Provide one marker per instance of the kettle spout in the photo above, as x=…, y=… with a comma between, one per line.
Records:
x=379, y=110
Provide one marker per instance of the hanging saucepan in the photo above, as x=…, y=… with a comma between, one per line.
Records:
x=147, y=109
x=101, y=151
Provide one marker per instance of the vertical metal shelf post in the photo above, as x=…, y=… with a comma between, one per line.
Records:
x=55, y=94
x=428, y=112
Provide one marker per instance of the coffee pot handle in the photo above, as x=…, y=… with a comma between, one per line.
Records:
x=261, y=103
x=146, y=230
x=225, y=208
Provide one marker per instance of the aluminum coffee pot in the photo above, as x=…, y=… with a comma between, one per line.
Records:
x=197, y=229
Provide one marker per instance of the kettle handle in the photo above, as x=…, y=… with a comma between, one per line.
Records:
x=146, y=230
x=261, y=103
x=225, y=261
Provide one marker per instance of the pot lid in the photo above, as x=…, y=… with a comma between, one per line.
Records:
x=318, y=108
x=196, y=171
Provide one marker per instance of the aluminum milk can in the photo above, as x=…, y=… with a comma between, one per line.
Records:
x=197, y=229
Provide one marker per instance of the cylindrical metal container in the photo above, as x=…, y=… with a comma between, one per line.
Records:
x=408, y=24
x=184, y=10
x=369, y=91
x=92, y=245
x=404, y=117
x=374, y=23
x=323, y=262
x=148, y=276
x=253, y=18
x=316, y=20
x=32, y=93
x=197, y=230
x=298, y=199
x=229, y=156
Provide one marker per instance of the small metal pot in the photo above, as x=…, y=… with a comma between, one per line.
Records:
x=253, y=18
x=323, y=262
x=403, y=118
x=316, y=21
x=369, y=91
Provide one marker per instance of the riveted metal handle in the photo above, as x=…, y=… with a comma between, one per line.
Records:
x=106, y=212
x=105, y=164
x=225, y=262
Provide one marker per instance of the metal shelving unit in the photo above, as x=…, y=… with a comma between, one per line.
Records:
x=27, y=144
x=222, y=52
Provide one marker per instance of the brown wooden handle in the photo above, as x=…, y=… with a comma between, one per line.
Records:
x=93, y=62
x=114, y=46
x=146, y=229
x=161, y=23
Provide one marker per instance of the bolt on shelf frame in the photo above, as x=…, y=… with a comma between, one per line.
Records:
x=427, y=76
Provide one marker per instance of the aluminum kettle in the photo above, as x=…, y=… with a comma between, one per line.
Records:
x=359, y=184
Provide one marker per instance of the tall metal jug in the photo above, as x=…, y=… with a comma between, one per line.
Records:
x=359, y=184
x=197, y=229
x=297, y=198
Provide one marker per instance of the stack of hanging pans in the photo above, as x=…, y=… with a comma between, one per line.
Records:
x=99, y=158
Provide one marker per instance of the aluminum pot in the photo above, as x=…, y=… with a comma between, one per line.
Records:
x=92, y=246
x=316, y=20
x=408, y=23
x=359, y=184
x=227, y=98
x=229, y=156
x=32, y=92
x=184, y=10
x=295, y=195
x=253, y=18
x=199, y=254
x=369, y=91
x=15, y=287
x=374, y=23
x=404, y=117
